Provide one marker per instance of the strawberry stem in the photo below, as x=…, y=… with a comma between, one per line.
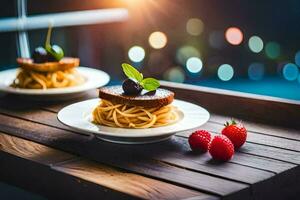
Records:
x=231, y=122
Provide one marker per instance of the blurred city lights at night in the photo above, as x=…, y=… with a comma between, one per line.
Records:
x=256, y=71
x=175, y=74
x=158, y=40
x=194, y=64
x=255, y=44
x=234, y=35
x=290, y=72
x=272, y=50
x=225, y=72
x=185, y=52
x=297, y=58
x=136, y=54
x=194, y=26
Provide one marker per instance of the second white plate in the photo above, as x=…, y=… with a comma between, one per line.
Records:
x=78, y=116
x=94, y=79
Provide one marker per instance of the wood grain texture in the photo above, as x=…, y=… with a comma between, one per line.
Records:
x=257, y=108
x=229, y=171
x=171, y=159
x=104, y=176
x=256, y=162
x=203, y=164
x=261, y=128
x=45, y=117
x=118, y=155
x=258, y=138
x=265, y=151
x=32, y=151
x=126, y=182
x=52, y=184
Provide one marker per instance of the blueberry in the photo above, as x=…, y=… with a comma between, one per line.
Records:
x=40, y=55
x=131, y=87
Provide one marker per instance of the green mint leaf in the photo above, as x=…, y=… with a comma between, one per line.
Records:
x=150, y=84
x=131, y=72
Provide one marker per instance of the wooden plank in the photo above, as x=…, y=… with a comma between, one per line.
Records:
x=261, y=163
x=286, y=173
x=271, y=152
x=184, y=177
x=237, y=104
x=52, y=184
x=127, y=182
x=106, y=177
x=230, y=171
x=255, y=127
x=40, y=116
x=201, y=165
x=257, y=138
x=101, y=151
x=32, y=151
x=265, y=151
x=184, y=157
x=45, y=117
x=37, y=115
x=210, y=169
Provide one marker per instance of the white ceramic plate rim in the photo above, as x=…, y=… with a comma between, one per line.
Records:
x=78, y=117
x=94, y=78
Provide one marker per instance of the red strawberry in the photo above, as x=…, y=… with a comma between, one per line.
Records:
x=236, y=132
x=199, y=140
x=221, y=148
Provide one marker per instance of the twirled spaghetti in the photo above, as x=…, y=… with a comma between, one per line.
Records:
x=125, y=116
x=44, y=80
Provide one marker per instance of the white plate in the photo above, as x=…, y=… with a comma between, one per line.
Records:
x=78, y=116
x=94, y=79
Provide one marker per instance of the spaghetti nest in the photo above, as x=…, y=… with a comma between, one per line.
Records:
x=44, y=80
x=125, y=116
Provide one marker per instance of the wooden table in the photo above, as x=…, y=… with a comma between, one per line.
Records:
x=41, y=155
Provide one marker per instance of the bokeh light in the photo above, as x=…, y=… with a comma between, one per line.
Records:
x=255, y=44
x=194, y=64
x=225, y=72
x=297, y=58
x=158, y=40
x=216, y=39
x=136, y=54
x=290, y=71
x=256, y=71
x=185, y=52
x=194, y=26
x=280, y=66
x=272, y=50
x=175, y=74
x=234, y=35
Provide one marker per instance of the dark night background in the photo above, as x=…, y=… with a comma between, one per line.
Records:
x=106, y=46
